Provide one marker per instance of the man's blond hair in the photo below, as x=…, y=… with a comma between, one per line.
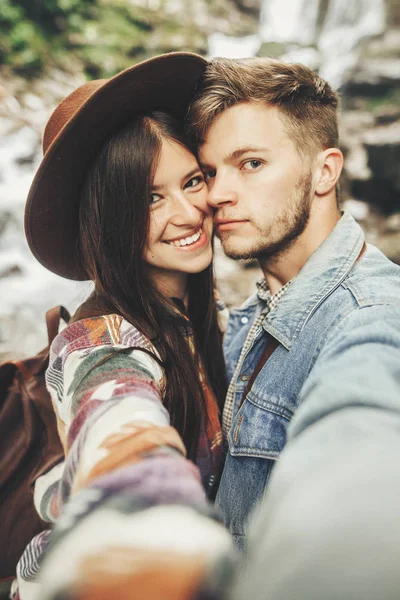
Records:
x=307, y=103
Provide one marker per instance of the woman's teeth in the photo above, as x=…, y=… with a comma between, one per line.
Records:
x=188, y=240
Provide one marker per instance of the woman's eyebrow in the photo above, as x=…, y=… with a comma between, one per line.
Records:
x=194, y=171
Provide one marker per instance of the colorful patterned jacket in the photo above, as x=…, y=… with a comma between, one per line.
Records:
x=130, y=510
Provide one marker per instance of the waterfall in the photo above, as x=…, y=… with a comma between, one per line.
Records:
x=27, y=288
x=324, y=34
x=289, y=21
x=220, y=44
x=346, y=25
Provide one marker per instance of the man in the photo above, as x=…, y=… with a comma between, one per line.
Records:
x=320, y=339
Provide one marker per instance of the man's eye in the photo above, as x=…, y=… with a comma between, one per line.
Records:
x=194, y=182
x=252, y=165
x=208, y=175
x=154, y=198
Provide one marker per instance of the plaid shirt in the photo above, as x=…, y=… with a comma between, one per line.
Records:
x=270, y=303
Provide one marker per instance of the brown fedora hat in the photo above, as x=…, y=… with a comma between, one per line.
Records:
x=74, y=134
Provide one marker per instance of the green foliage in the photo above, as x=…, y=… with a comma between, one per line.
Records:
x=102, y=36
x=53, y=15
x=27, y=47
x=8, y=13
x=99, y=37
x=20, y=42
x=28, y=30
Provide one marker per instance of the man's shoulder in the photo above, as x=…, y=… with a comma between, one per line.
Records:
x=374, y=279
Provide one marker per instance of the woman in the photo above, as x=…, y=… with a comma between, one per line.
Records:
x=137, y=378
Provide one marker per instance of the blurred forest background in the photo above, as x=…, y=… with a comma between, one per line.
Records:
x=49, y=47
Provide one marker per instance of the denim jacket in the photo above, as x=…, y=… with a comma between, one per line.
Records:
x=338, y=328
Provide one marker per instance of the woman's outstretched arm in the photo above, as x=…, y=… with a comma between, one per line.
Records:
x=133, y=508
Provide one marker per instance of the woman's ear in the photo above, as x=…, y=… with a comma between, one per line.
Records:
x=330, y=167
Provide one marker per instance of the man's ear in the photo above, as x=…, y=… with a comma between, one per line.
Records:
x=330, y=163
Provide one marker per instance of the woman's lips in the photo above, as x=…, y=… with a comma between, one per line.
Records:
x=200, y=243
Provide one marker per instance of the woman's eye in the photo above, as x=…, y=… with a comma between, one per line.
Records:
x=154, y=198
x=252, y=165
x=194, y=182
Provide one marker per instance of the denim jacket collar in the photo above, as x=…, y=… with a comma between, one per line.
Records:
x=324, y=271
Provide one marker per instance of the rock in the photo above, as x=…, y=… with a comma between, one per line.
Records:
x=389, y=243
x=28, y=159
x=383, y=151
x=251, y=7
x=272, y=49
x=360, y=210
x=377, y=192
x=388, y=114
x=393, y=10
x=10, y=271
x=372, y=148
x=374, y=78
x=392, y=224
x=376, y=73
x=8, y=220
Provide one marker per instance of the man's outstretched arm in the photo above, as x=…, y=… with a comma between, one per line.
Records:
x=329, y=524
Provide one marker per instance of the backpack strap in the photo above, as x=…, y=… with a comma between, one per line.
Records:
x=53, y=318
x=268, y=350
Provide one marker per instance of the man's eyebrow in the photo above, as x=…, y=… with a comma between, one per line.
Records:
x=241, y=151
x=184, y=178
x=238, y=153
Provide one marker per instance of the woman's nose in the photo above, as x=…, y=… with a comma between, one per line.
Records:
x=187, y=212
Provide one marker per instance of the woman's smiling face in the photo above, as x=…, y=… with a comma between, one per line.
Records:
x=179, y=241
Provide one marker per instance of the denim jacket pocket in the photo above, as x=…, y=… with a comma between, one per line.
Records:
x=259, y=427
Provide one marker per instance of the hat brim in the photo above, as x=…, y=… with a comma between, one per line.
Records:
x=166, y=82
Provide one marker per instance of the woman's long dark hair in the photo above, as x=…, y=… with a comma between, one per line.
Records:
x=114, y=221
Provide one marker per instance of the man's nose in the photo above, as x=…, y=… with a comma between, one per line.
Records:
x=221, y=192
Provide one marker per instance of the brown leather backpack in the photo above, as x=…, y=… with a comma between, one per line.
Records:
x=29, y=446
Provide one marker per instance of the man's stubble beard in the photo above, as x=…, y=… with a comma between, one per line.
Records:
x=291, y=224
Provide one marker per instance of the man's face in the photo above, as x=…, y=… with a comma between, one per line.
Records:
x=258, y=182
